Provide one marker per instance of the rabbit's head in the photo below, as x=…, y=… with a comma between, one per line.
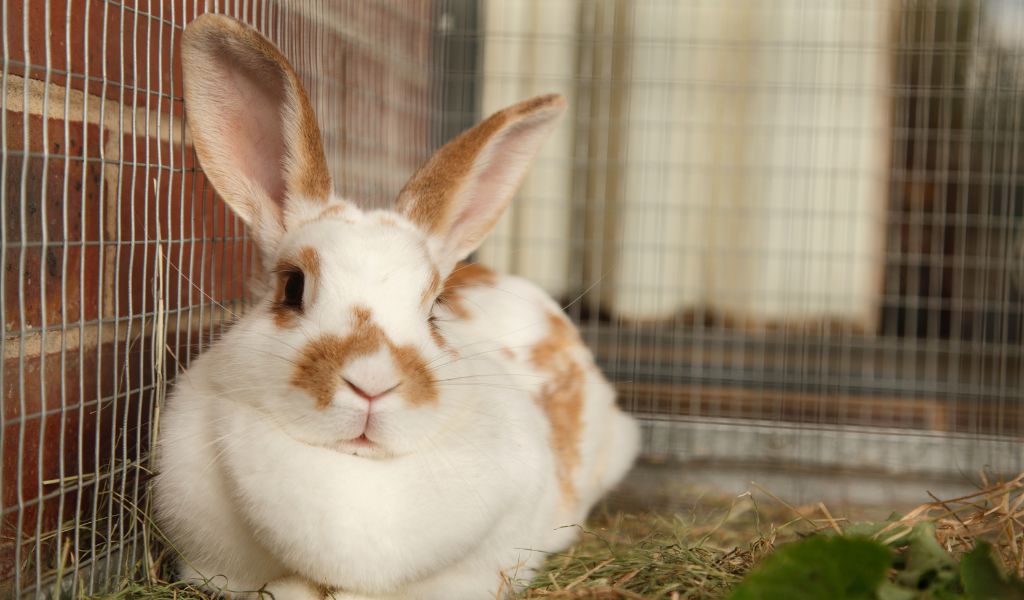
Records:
x=343, y=350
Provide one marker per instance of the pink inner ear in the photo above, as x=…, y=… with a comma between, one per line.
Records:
x=493, y=181
x=253, y=102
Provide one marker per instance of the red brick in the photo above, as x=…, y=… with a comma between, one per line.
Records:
x=82, y=140
x=97, y=428
x=45, y=186
x=48, y=515
x=83, y=179
x=178, y=12
x=214, y=271
x=355, y=87
x=66, y=300
x=111, y=44
x=91, y=377
x=85, y=376
x=185, y=208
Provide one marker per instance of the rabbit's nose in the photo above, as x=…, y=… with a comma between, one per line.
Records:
x=368, y=391
x=371, y=376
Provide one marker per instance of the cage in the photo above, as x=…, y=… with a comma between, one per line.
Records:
x=791, y=232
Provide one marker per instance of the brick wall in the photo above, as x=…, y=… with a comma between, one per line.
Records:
x=119, y=261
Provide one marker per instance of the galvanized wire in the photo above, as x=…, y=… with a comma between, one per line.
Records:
x=930, y=383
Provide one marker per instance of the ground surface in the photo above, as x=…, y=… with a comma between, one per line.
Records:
x=694, y=532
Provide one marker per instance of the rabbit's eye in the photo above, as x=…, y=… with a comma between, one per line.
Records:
x=294, y=283
x=432, y=319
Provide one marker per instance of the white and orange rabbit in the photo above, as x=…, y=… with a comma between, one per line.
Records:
x=387, y=422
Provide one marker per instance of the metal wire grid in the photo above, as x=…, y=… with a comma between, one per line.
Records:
x=933, y=382
x=934, y=386
x=120, y=264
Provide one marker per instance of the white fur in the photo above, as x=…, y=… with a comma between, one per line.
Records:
x=255, y=487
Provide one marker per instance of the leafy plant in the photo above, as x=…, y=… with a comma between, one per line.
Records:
x=984, y=580
x=855, y=568
x=838, y=568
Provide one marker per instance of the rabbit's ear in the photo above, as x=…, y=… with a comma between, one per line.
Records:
x=459, y=194
x=251, y=124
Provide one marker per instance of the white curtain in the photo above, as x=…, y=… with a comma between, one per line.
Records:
x=742, y=154
x=530, y=49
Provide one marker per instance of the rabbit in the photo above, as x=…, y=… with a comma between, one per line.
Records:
x=387, y=421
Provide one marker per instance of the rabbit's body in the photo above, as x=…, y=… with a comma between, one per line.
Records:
x=385, y=423
x=481, y=503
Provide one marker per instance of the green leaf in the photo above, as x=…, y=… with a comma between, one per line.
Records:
x=871, y=528
x=984, y=580
x=837, y=568
x=927, y=565
x=891, y=591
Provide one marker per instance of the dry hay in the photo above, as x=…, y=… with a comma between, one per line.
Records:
x=704, y=551
x=995, y=514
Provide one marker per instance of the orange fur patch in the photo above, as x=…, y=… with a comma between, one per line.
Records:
x=465, y=276
x=427, y=198
x=334, y=210
x=317, y=369
x=439, y=339
x=363, y=315
x=417, y=384
x=285, y=317
x=561, y=397
x=309, y=261
x=309, y=176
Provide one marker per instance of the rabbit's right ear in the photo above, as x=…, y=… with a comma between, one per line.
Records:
x=252, y=125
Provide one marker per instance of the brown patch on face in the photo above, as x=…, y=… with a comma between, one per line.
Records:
x=309, y=260
x=427, y=198
x=285, y=317
x=334, y=210
x=561, y=397
x=438, y=338
x=317, y=368
x=465, y=276
x=417, y=384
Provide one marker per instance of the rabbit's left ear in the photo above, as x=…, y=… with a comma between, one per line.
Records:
x=251, y=123
x=459, y=194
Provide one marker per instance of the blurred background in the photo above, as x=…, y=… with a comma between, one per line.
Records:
x=791, y=231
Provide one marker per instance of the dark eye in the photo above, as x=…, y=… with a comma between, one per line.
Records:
x=433, y=318
x=294, y=282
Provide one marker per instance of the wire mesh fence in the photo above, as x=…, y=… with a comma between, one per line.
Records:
x=794, y=229
x=119, y=262
x=791, y=231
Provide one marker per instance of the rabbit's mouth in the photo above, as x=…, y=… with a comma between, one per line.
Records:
x=362, y=446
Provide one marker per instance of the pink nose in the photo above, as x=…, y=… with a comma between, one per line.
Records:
x=370, y=393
